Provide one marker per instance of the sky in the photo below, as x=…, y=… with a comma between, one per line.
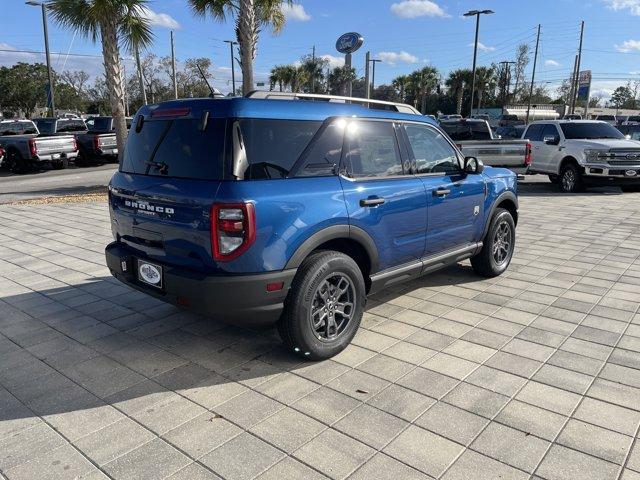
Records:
x=404, y=34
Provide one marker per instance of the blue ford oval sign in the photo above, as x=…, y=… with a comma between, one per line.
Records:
x=349, y=42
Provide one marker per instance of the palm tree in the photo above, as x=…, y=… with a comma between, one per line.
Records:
x=400, y=84
x=485, y=81
x=423, y=81
x=278, y=76
x=339, y=78
x=114, y=23
x=457, y=82
x=249, y=16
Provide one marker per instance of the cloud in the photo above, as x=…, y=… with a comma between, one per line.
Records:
x=394, y=57
x=294, y=12
x=551, y=63
x=159, y=19
x=483, y=48
x=333, y=61
x=629, y=46
x=620, y=5
x=418, y=8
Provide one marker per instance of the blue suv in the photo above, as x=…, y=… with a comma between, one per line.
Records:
x=291, y=212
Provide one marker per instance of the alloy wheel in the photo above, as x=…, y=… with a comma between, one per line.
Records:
x=502, y=243
x=332, y=307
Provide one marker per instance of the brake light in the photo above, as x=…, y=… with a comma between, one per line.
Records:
x=527, y=154
x=170, y=112
x=96, y=142
x=75, y=144
x=233, y=229
x=33, y=148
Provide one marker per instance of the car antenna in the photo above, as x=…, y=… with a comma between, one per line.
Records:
x=213, y=94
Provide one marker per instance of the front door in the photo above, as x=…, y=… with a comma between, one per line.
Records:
x=455, y=200
x=382, y=196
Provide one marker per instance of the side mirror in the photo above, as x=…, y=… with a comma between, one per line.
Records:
x=551, y=140
x=473, y=165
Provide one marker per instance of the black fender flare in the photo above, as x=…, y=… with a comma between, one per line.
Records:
x=508, y=195
x=335, y=232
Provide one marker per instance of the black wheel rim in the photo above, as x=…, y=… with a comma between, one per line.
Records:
x=332, y=307
x=502, y=243
x=568, y=180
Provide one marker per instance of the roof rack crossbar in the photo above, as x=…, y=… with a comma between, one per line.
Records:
x=365, y=102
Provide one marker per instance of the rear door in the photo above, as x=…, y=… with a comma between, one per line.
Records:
x=455, y=200
x=383, y=197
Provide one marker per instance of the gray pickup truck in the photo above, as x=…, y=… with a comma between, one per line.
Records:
x=28, y=150
x=98, y=144
x=475, y=139
x=60, y=126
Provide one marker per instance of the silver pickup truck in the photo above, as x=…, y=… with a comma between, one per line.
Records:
x=27, y=150
x=475, y=139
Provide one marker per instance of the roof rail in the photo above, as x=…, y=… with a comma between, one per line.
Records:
x=368, y=103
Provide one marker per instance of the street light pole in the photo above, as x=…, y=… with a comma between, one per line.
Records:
x=233, y=70
x=50, y=97
x=373, y=75
x=475, y=13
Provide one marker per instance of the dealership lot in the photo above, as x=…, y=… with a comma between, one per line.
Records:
x=535, y=374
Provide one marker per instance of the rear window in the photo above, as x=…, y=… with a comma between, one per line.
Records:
x=176, y=148
x=606, y=117
x=71, y=126
x=467, y=130
x=273, y=146
x=100, y=125
x=18, y=128
x=46, y=125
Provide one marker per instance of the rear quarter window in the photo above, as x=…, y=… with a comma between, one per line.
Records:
x=176, y=148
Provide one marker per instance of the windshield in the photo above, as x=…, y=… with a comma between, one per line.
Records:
x=177, y=148
x=467, y=130
x=46, y=125
x=574, y=131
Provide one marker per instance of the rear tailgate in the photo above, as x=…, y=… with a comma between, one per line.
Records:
x=497, y=153
x=161, y=198
x=55, y=145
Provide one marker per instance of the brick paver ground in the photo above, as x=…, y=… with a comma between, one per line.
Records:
x=535, y=374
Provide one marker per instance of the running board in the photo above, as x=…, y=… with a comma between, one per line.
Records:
x=421, y=267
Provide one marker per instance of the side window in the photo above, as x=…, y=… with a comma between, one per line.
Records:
x=273, y=146
x=534, y=132
x=432, y=152
x=549, y=130
x=372, y=150
x=324, y=154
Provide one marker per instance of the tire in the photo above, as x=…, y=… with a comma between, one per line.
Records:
x=487, y=263
x=570, y=180
x=81, y=160
x=319, y=275
x=17, y=164
x=60, y=164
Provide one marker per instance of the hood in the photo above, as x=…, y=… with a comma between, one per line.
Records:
x=604, y=143
x=497, y=172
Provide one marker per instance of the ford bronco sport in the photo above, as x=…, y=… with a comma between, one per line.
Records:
x=292, y=211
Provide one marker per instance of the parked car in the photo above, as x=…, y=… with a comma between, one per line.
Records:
x=573, y=116
x=2, y=153
x=60, y=126
x=475, y=139
x=584, y=152
x=98, y=144
x=506, y=120
x=481, y=116
x=291, y=212
x=512, y=131
x=632, y=120
x=26, y=149
x=630, y=131
x=610, y=119
x=454, y=116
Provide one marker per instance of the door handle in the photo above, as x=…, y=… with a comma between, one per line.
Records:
x=441, y=192
x=372, y=201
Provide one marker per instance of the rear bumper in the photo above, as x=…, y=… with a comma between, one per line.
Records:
x=237, y=299
x=50, y=157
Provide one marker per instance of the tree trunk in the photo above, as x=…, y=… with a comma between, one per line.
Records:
x=247, y=32
x=111, y=57
x=459, y=101
x=479, y=93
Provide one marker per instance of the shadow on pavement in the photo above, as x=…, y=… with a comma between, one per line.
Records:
x=59, y=355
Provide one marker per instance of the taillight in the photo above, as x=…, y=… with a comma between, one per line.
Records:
x=527, y=154
x=75, y=144
x=33, y=148
x=96, y=142
x=233, y=229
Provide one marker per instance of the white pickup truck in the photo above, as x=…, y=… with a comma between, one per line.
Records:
x=577, y=153
x=475, y=139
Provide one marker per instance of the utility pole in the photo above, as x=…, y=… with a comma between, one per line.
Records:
x=579, y=58
x=143, y=90
x=574, y=76
x=367, y=85
x=373, y=75
x=313, y=76
x=50, y=96
x=173, y=68
x=533, y=74
x=477, y=14
x=233, y=70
